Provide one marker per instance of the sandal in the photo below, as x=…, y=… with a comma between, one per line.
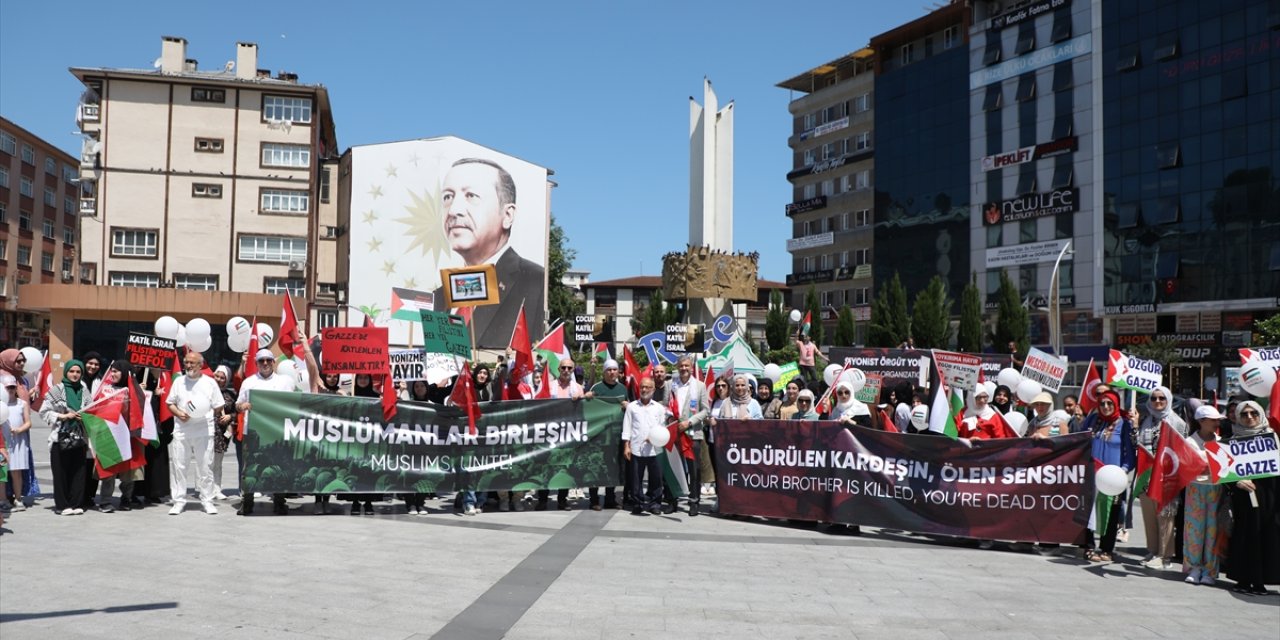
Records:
x=1093, y=556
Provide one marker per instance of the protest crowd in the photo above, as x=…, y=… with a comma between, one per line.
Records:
x=121, y=440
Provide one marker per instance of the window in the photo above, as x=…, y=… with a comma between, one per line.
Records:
x=25, y=187
x=199, y=281
x=46, y=229
x=205, y=94
x=295, y=110
x=285, y=201
x=992, y=100
x=810, y=121
x=1063, y=76
x=1026, y=87
x=1061, y=25
x=4, y=177
x=1026, y=231
x=28, y=155
x=1235, y=84
x=8, y=144
x=1167, y=155
x=327, y=318
x=1026, y=38
x=272, y=249
x=832, y=150
x=828, y=187
x=275, y=154
x=46, y=262
x=1128, y=58
x=810, y=191
x=1166, y=46
x=862, y=141
x=209, y=145
x=908, y=52
x=846, y=184
x=50, y=197
x=827, y=298
x=950, y=37
x=1128, y=215
x=1167, y=264
x=4, y=213
x=68, y=205
x=68, y=265
x=24, y=255
x=807, y=263
x=1063, y=227
x=205, y=190
x=1028, y=276
x=991, y=55
x=326, y=179
x=1027, y=179
x=68, y=174
x=808, y=157
x=24, y=220
x=134, y=242
x=995, y=235
x=1063, y=126
x=69, y=235
x=4, y=251
x=1169, y=211
x=862, y=103
x=1063, y=174
x=861, y=256
x=277, y=286
x=862, y=180
x=51, y=166
x=862, y=218
x=135, y=279
x=862, y=296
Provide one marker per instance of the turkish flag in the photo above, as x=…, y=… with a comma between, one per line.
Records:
x=633, y=372
x=1088, y=399
x=1177, y=464
x=464, y=396
x=251, y=365
x=290, y=341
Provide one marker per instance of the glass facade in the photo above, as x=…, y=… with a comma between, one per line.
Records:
x=922, y=172
x=1191, y=106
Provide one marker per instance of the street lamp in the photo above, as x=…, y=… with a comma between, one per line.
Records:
x=1055, y=306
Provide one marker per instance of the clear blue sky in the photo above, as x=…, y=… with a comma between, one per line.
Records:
x=597, y=91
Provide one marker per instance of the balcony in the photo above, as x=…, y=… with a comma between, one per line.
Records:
x=88, y=206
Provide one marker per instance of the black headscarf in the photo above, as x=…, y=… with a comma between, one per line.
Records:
x=1002, y=407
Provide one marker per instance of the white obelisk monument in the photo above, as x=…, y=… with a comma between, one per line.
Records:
x=710, y=172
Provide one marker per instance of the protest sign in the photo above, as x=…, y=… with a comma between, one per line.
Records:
x=445, y=333
x=1243, y=458
x=870, y=391
x=151, y=351
x=408, y=365
x=1045, y=368
x=1010, y=489
x=959, y=370
x=911, y=366
x=684, y=338
x=1130, y=372
x=592, y=328
x=786, y=373
x=1269, y=355
x=319, y=443
x=354, y=350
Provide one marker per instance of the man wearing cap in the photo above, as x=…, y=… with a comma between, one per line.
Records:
x=266, y=380
x=611, y=389
x=192, y=400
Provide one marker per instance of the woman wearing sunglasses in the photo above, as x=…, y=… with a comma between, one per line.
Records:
x=1112, y=444
x=1159, y=523
x=1254, y=559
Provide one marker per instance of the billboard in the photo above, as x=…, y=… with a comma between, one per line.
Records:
x=420, y=206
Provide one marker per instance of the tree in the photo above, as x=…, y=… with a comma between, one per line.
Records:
x=655, y=316
x=890, y=323
x=846, y=332
x=969, y=336
x=1268, y=332
x=812, y=307
x=562, y=303
x=775, y=322
x=931, y=317
x=1012, y=320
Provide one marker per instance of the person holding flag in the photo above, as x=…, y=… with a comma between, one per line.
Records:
x=1159, y=522
x=117, y=380
x=1254, y=561
x=808, y=352
x=1200, y=560
x=612, y=389
x=693, y=406
x=1112, y=445
x=192, y=400
x=981, y=421
x=265, y=379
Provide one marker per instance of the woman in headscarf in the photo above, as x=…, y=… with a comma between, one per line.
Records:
x=61, y=410
x=982, y=421
x=17, y=436
x=481, y=378
x=770, y=406
x=224, y=427
x=1200, y=560
x=740, y=405
x=1002, y=399
x=1254, y=561
x=804, y=407
x=1112, y=445
x=848, y=410
x=94, y=368
x=1159, y=523
x=119, y=377
x=12, y=362
x=788, y=406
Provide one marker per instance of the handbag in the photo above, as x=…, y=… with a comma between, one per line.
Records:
x=71, y=435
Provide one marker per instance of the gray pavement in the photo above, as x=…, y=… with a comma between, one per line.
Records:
x=565, y=575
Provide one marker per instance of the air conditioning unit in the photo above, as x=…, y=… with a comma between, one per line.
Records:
x=67, y=276
x=342, y=296
x=330, y=232
x=295, y=265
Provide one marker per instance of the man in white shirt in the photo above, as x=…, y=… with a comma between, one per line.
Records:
x=641, y=418
x=695, y=407
x=266, y=380
x=192, y=399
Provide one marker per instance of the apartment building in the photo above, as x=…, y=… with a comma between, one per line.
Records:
x=832, y=203
x=39, y=199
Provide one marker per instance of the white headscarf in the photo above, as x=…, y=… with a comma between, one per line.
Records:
x=1241, y=431
x=841, y=407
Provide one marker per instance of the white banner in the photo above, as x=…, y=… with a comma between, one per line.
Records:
x=959, y=370
x=1032, y=253
x=1045, y=368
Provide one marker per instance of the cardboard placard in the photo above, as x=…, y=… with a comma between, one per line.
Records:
x=788, y=371
x=146, y=350
x=1243, y=458
x=445, y=333
x=596, y=328
x=870, y=392
x=408, y=365
x=959, y=369
x=1131, y=372
x=685, y=338
x=1045, y=368
x=354, y=350
x=470, y=286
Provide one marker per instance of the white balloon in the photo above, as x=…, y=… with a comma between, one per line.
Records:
x=659, y=436
x=197, y=329
x=1255, y=376
x=238, y=326
x=167, y=327
x=855, y=377
x=1009, y=377
x=1111, y=480
x=772, y=371
x=238, y=343
x=1017, y=422
x=1028, y=390
x=920, y=417
x=795, y=315
x=265, y=335
x=197, y=406
x=829, y=374
x=288, y=369
x=35, y=360
x=201, y=345
x=181, y=338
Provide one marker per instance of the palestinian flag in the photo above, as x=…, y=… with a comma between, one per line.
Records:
x=407, y=304
x=107, y=430
x=552, y=348
x=947, y=410
x=1146, y=462
x=806, y=323
x=672, y=457
x=601, y=352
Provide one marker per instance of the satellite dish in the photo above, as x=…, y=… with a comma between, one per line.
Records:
x=230, y=66
x=155, y=64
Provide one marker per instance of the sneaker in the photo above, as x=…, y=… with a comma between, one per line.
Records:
x=77, y=511
x=1206, y=579
x=176, y=510
x=1193, y=577
x=18, y=507
x=469, y=510
x=368, y=508
x=221, y=496
x=106, y=508
x=1155, y=563
x=1122, y=535
x=210, y=509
